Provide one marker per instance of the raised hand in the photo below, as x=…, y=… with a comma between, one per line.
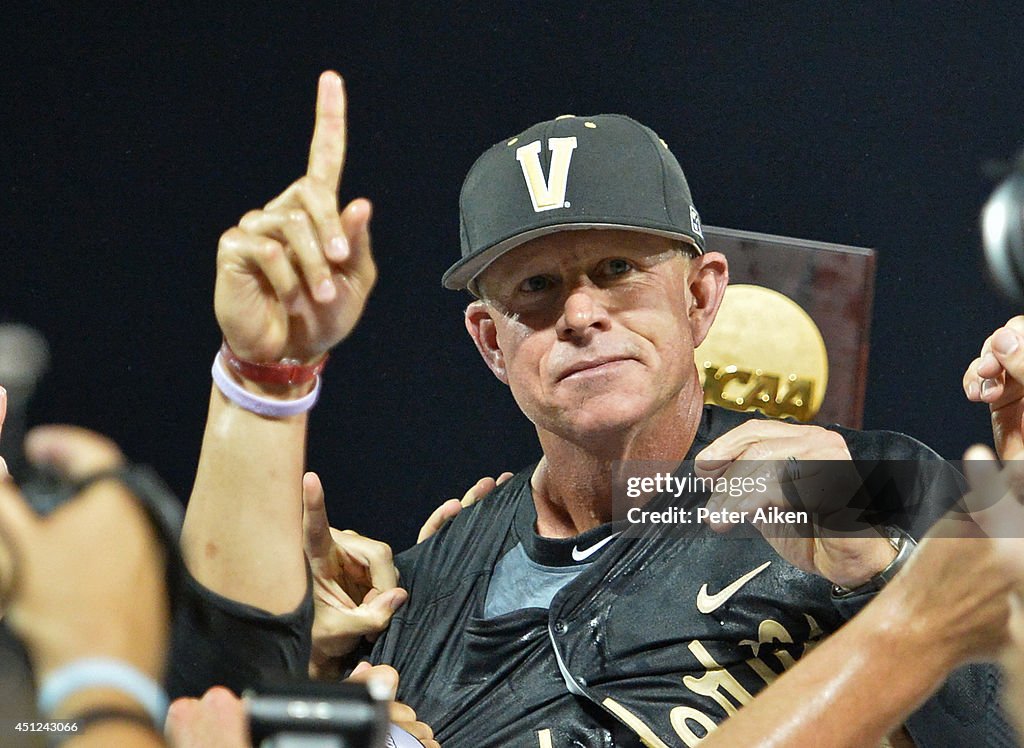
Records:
x=355, y=584
x=293, y=278
x=996, y=377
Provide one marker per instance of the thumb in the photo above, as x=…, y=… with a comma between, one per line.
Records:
x=368, y=619
x=1009, y=352
x=382, y=679
x=316, y=528
x=373, y=617
x=73, y=452
x=17, y=523
x=377, y=612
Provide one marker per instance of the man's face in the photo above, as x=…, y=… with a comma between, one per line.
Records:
x=593, y=330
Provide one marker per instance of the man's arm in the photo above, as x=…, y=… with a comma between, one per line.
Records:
x=292, y=281
x=949, y=606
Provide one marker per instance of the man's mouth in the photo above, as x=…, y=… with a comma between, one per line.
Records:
x=593, y=365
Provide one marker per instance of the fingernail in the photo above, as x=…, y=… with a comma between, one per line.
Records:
x=396, y=602
x=364, y=665
x=338, y=249
x=331, y=78
x=381, y=688
x=972, y=390
x=986, y=385
x=1004, y=342
x=326, y=291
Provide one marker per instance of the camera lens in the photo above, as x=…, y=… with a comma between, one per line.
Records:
x=1002, y=230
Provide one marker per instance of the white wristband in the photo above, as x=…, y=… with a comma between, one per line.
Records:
x=103, y=672
x=263, y=406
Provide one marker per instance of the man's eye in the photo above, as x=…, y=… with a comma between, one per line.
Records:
x=618, y=266
x=535, y=283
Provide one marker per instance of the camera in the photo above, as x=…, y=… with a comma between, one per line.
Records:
x=307, y=714
x=1002, y=230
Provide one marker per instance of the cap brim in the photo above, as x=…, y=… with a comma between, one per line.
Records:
x=462, y=273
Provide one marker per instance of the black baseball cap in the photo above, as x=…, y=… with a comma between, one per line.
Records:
x=605, y=171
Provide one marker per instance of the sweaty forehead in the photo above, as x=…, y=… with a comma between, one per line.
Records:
x=566, y=247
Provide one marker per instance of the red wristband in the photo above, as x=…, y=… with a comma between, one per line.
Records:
x=286, y=371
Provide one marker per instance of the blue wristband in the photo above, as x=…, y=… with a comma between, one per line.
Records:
x=103, y=672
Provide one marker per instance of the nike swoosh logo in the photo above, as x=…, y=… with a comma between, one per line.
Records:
x=709, y=603
x=578, y=555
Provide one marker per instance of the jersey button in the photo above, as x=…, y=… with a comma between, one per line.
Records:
x=560, y=627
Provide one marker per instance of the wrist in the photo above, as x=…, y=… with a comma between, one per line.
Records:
x=288, y=373
x=268, y=399
x=100, y=681
x=324, y=667
x=95, y=697
x=885, y=559
x=274, y=391
x=104, y=717
x=329, y=646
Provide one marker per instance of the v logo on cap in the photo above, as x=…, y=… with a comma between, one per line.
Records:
x=547, y=193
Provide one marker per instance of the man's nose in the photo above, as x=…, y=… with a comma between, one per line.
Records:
x=583, y=313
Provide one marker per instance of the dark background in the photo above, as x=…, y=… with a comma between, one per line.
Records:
x=135, y=138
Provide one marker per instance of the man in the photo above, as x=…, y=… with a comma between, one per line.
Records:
x=528, y=620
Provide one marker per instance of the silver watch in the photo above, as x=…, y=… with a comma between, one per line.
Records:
x=903, y=544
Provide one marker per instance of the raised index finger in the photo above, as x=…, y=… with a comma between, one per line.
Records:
x=327, y=149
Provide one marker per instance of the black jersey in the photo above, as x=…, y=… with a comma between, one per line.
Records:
x=661, y=638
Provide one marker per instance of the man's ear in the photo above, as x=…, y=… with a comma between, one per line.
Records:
x=480, y=325
x=709, y=275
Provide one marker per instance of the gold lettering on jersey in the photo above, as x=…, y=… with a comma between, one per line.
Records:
x=717, y=682
x=634, y=723
x=680, y=718
x=814, y=636
x=772, y=394
x=546, y=194
x=770, y=632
